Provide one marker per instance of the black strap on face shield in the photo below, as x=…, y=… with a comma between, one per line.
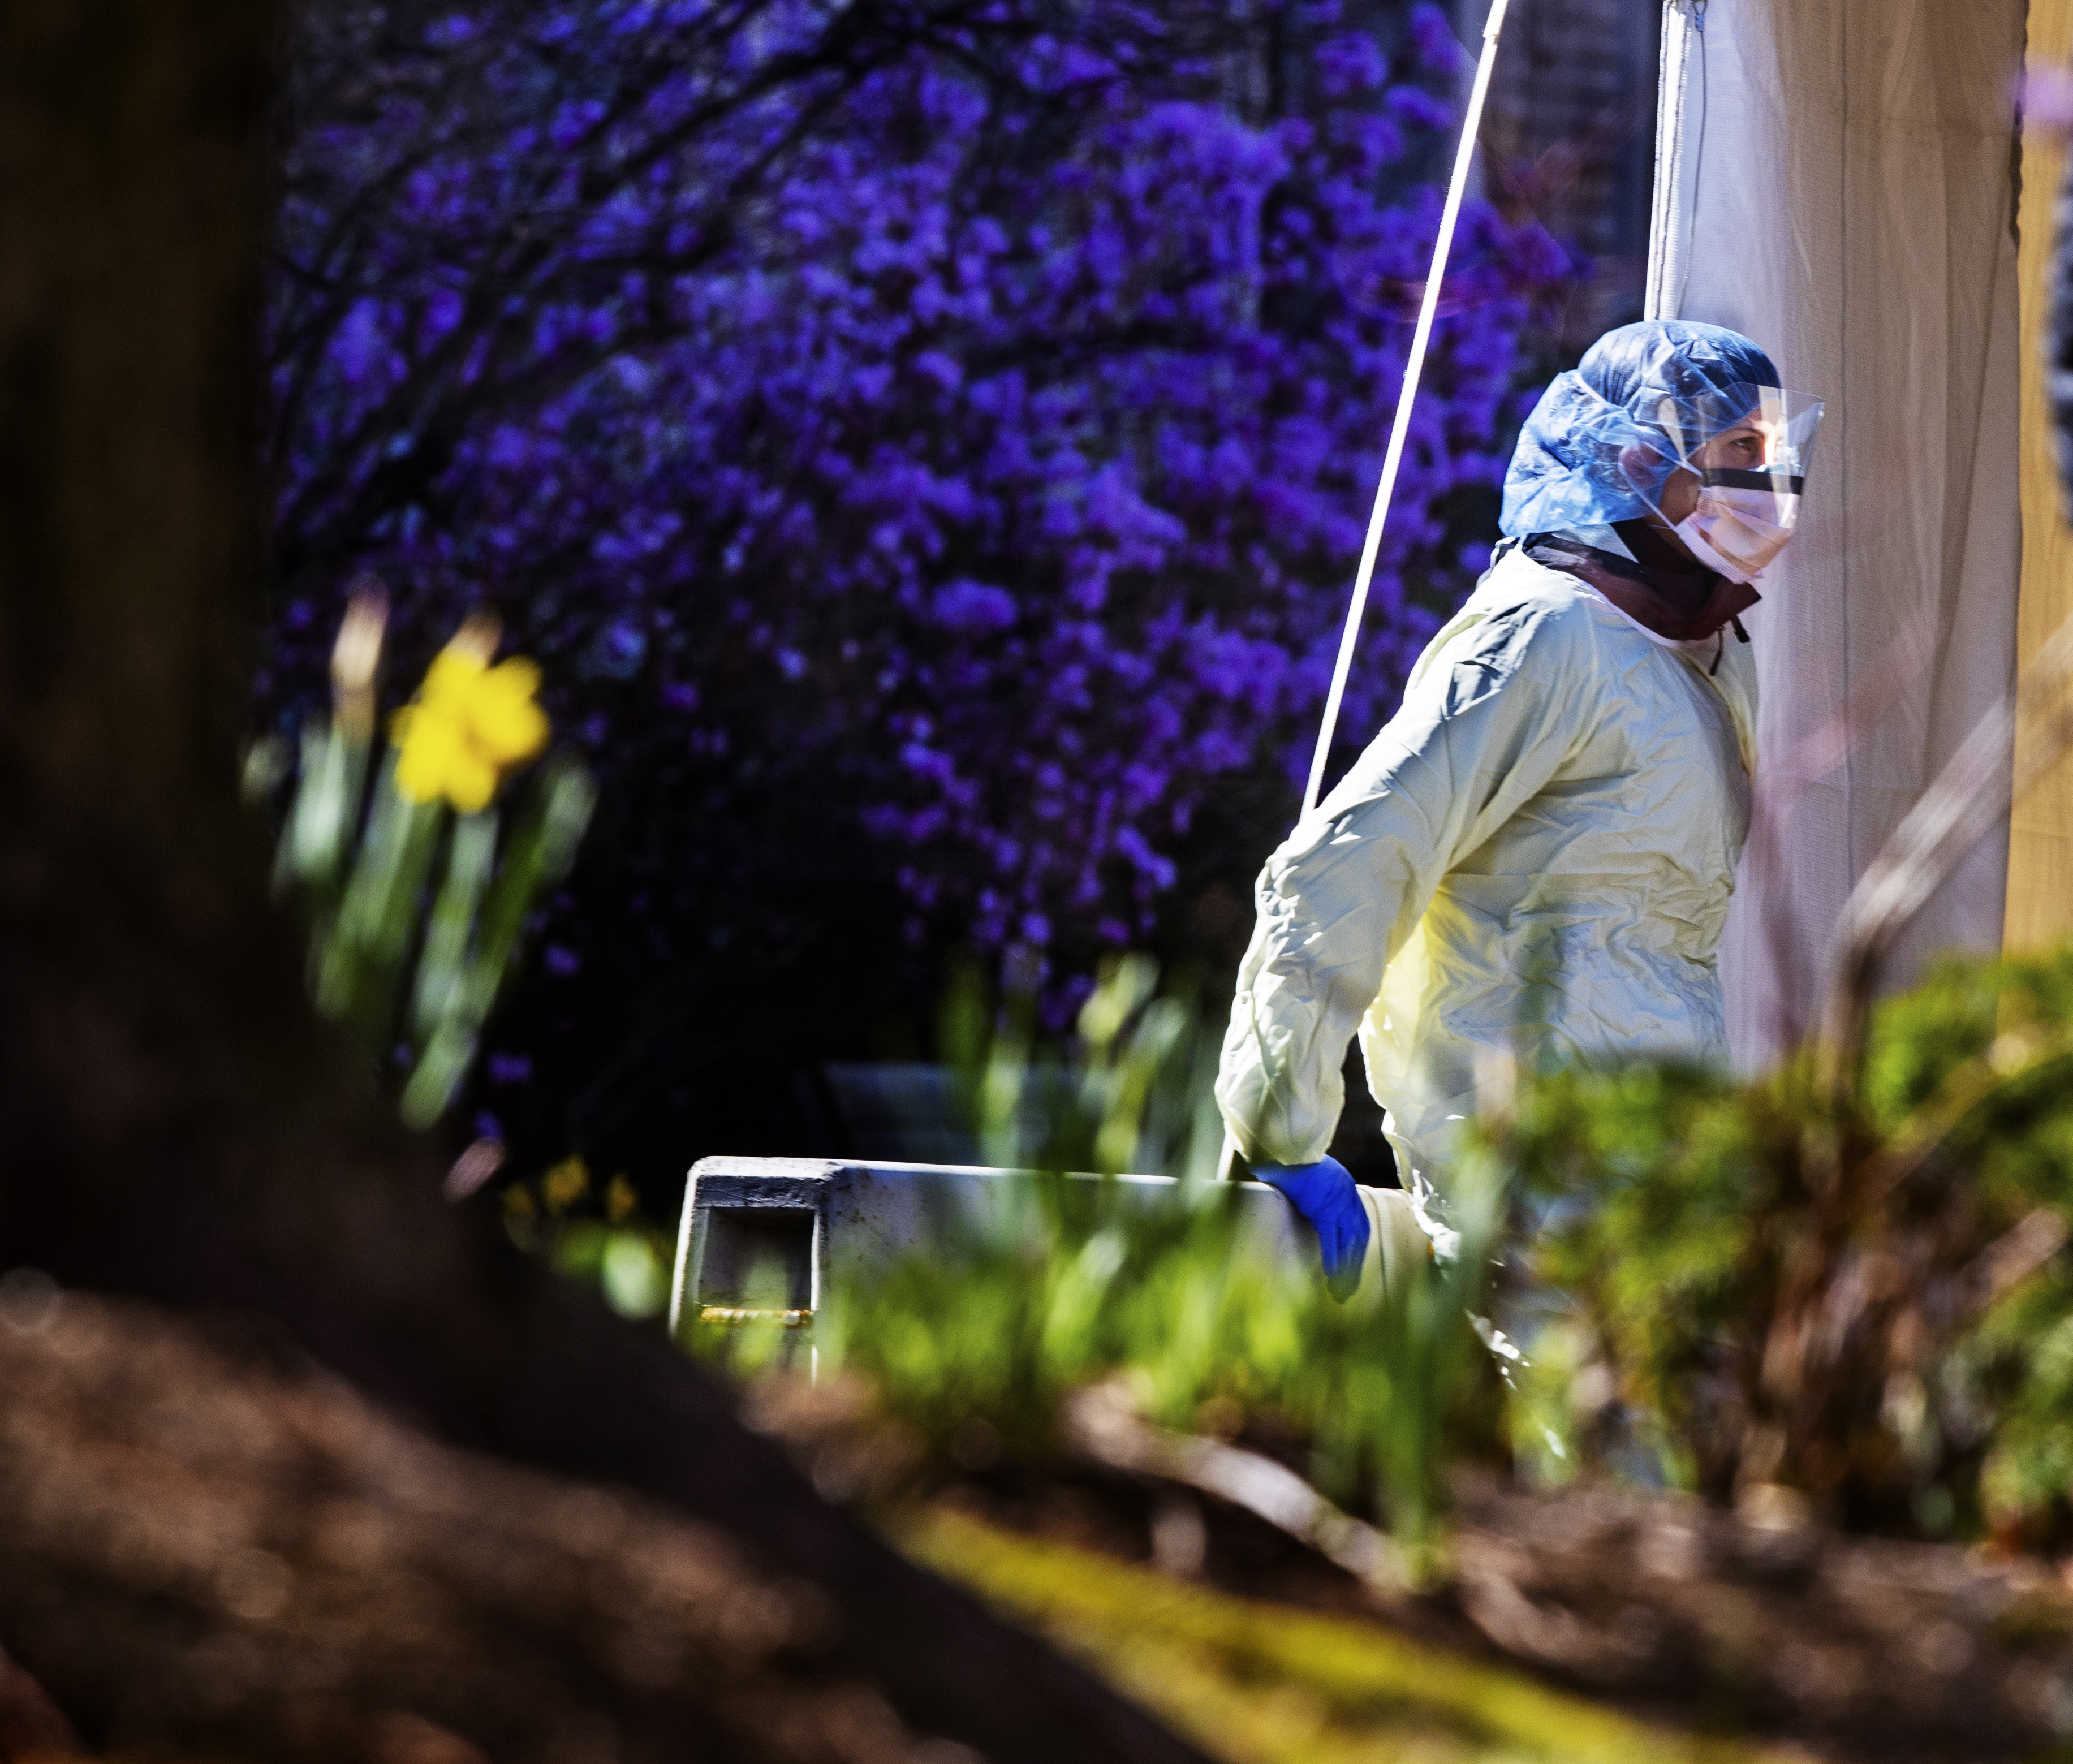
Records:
x=1775, y=482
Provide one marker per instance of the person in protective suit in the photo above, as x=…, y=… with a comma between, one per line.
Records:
x=1560, y=801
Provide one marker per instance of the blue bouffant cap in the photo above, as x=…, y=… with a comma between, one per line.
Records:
x=1633, y=387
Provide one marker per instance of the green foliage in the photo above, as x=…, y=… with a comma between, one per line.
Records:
x=2021, y=1358
x=1070, y=1280
x=599, y=1239
x=1658, y=1181
x=1859, y=1288
x=1857, y=1285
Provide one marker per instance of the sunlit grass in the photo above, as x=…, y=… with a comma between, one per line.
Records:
x=1252, y=1683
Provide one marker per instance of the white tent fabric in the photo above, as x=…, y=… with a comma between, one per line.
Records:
x=1835, y=179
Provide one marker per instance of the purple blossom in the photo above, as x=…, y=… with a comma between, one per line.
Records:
x=986, y=456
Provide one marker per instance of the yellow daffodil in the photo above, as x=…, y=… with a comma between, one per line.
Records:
x=469, y=723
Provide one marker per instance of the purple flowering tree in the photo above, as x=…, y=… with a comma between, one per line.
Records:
x=927, y=446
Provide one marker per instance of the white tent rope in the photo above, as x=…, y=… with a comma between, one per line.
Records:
x=1414, y=368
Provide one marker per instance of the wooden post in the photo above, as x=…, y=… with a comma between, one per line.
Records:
x=2040, y=874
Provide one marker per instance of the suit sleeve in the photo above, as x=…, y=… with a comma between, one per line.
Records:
x=1492, y=713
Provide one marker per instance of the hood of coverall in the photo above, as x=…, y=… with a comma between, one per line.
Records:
x=1607, y=436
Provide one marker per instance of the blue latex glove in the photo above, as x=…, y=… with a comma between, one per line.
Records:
x=1323, y=1194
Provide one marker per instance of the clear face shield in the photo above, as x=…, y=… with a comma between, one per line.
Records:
x=1733, y=496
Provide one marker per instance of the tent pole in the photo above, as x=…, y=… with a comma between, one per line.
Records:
x=1414, y=368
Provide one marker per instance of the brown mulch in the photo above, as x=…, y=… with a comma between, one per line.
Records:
x=226, y=1555
x=1675, y=1610
x=221, y=1551
x=1865, y=1647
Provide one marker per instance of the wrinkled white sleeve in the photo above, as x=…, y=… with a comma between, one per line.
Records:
x=1491, y=714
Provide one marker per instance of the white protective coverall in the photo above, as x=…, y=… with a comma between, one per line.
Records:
x=1562, y=797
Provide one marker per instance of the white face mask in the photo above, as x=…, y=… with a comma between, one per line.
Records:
x=1738, y=528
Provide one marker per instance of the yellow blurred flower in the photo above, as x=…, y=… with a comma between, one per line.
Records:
x=469, y=723
x=566, y=1184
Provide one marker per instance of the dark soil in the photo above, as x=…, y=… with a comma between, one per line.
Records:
x=211, y=1548
x=1670, y=1607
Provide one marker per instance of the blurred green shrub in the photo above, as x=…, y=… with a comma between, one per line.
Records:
x=595, y=1236
x=1854, y=1285
x=1075, y=1279
x=417, y=896
x=1850, y=1280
